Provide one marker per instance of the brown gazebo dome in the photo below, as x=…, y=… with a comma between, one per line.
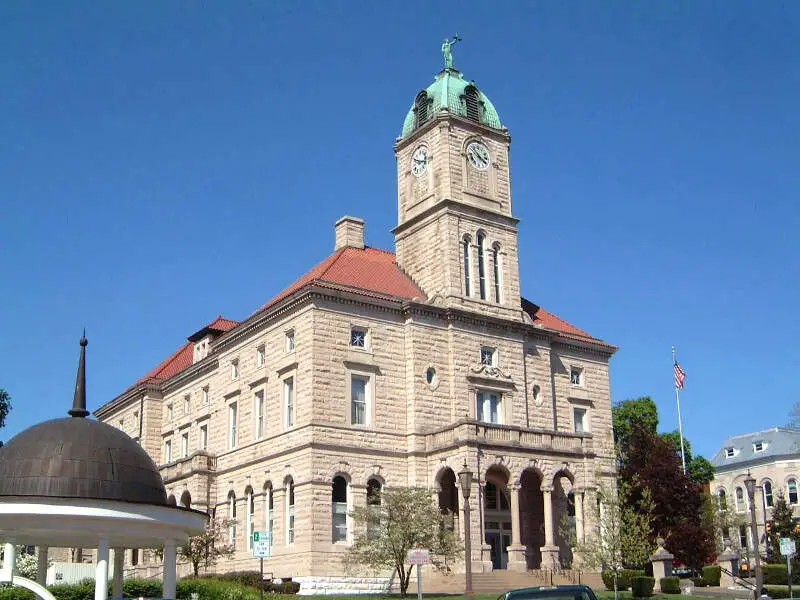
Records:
x=79, y=458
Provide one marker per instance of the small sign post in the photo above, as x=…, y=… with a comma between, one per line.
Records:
x=262, y=548
x=419, y=557
x=788, y=550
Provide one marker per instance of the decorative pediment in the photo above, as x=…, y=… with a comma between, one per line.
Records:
x=490, y=371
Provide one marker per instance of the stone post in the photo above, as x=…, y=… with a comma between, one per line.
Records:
x=550, y=551
x=728, y=561
x=516, y=551
x=662, y=563
x=41, y=565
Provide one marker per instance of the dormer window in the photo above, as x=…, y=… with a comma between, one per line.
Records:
x=730, y=452
x=576, y=376
x=421, y=108
x=759, y=446
x=489, y=356
x=472, y=100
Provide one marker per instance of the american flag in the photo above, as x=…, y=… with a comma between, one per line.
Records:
x=680, y=376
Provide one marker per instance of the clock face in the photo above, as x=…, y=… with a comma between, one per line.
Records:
x=478, y=155
x=420, y=160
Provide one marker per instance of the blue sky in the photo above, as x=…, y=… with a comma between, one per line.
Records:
x=164, y=162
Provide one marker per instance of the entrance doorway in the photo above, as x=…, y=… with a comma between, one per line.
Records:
x=497, y=516
x=499, y=540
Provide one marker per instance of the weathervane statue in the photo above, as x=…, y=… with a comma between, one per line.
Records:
x=447, y=46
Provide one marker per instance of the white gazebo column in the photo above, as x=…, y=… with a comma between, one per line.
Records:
x=101, y=571
x=9, y=561
x=119, y=566
x=41, y=565
x=170, y=560
x=549, y=550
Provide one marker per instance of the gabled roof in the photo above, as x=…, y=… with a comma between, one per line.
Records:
x=548, y=320
x=776, y=442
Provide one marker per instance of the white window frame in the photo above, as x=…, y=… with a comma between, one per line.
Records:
x=730, y=452
x=233, y=424
x=584, y=419
x=167, y=451
x=289, y=402
x=337, y=506
x=232, y=519
x=250, y=516
x=493, y=356
x=259, y=406
x=261, y=355
x=290, y=341
x=185, y=444
x=206, y=395
x=497, y=273
x=170, y=412
x=362, y=330
x=234, y=369
x=759, y=447
x=740, y=499
x=789, y=492
x=269, y=512
x=202, y=438
x=368, y=397
x=187, y=404
x=771, y=495
x=483, y=401
x=575, y=369
x=136, y=420
x=290, y=512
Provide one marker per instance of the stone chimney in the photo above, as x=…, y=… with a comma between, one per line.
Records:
x=349, y=232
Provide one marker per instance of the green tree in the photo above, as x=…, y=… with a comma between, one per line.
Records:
x=622, y=537
x=207, y=548
x=5, y=408
x=405, y=520
x=783, y=525
x=638, y=410
x=697, y=467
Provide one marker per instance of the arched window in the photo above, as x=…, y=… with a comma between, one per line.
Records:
x=722, y=500
x=497, y=270
x=269, y=515
x=186, y=499
x=768, y=493
x=739, y=500
x=421, y=108
x=792, y=485
x=467, y=267
x=374, y=504
x=171, y=500
x=250, y=511
x=339, y=509
x=482, y=264
x=289, y=511
x=473, y=103
x=232, y=518
x=373, y=492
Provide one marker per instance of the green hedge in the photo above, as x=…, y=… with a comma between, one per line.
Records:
x=624, y=579
x=699, y=582
x=8, y=592
x=777, y=592
x=642, y=586
x=670, y=585
x=712, y=574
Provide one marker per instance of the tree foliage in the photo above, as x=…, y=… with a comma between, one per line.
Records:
x=206, y=549
x=783, y=525
x=629, y=412
x=5, y=408
x=405, y=520
x=698, y=467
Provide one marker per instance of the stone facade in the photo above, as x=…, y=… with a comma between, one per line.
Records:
x=336, y=380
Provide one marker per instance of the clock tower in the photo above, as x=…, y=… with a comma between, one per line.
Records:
x=456, y=236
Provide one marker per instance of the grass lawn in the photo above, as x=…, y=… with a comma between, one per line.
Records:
x=606, y=595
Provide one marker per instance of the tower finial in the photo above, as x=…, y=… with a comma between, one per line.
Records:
x=447, y=51
x=79, y=401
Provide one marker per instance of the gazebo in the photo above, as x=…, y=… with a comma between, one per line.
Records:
x=77, y=482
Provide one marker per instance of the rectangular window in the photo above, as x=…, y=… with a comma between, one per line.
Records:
x=203, y=445
x=358, y=400
x=136, y=421
x=730, y=452
x=167, y=451
x=576, y=376
x=234, y=369
x=488, y=409
x=205, y=396
x=358, y=338
x=233, y=417
x=288, y=400
x=258, y=410
x=261, y=355
x=579, y=420
x=758, y=447
x=250, y=519
x=187, y=404
x=488, y=356
x=169, y=411
x=743, y=537
x=122, y=424
x=185, y=444
x=339, y=533
x=290, y=340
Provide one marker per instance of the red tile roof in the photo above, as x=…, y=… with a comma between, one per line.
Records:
x=369, y=271
x=548, y=320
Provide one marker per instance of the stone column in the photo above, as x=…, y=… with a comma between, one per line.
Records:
x=9, y=561
x=119, y=567
x=516, y=551
x=170, y=560
x=41, y=565
x=101, y=571
x=580, y=534
x=549, y=550
x=662, y=563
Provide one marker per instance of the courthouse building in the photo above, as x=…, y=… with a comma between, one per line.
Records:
x=378, y=369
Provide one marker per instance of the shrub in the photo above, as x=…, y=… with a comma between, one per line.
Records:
x=628, y=575
x=712, y=574
x=212, y=588
x=670, y=585
x=141, y=588
x=15, y=593
x=74, y=591
x=642, y=586
x=775, y=574
x=608, y=580
x=248, y=578
x=777, y=592
x=699, y=582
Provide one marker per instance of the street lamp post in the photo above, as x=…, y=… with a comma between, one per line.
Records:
x=465, y=479
x=750, y=484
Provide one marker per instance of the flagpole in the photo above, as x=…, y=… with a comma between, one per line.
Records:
x=680, y=420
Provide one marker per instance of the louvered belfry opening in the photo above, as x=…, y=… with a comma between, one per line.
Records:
x=473, y=102
x=421, y=107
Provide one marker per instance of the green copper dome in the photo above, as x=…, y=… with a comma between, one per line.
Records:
x=451, y=92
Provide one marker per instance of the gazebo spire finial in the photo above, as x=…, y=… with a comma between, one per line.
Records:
x=79, y=401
